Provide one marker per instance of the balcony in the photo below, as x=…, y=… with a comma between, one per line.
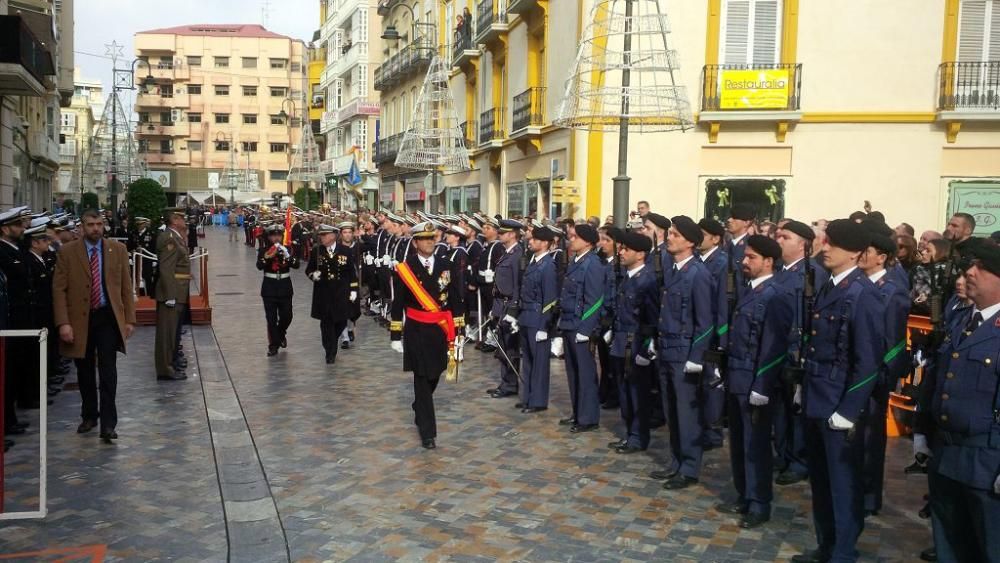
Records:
x=463, y=50
x=24, y=61
x=357, y=53
x=491, y=128
x=169, y=156
x=356, y=107
x=174, y=100
x=469, y=130
x=521, y=6
x=155, y=129
x=969, y=91
x=412, y=59
x=529, y=108
x=751, y=92
x=346, y=9
x=491, y=20
x=387, y=148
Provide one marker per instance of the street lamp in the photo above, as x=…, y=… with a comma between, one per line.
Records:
x=288, y=150
x=392, y=34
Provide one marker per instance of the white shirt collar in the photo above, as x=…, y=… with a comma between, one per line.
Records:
x=877, y=276
x=332, y=248
x=39, y=256
x=757, y=281
x=792, y=265
x=537, y=257
x=12, y=245
x=989, y=311
x=577, y=259
x=631, y=273
x=738, y=239
x=427, y=262
x=711, y=251
x=680, y=265
x=842, y=275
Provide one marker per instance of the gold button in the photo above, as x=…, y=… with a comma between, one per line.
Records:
x=816, y=316
x=944, y=397
x=988, y=361
x=944, y=418
x=811, y=349
x=954, y=355
x=814, y=333
x=949, y=375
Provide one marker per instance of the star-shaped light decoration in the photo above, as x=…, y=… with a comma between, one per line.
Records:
x=114, y=50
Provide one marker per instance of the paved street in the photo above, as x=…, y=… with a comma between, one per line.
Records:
x=343, y=474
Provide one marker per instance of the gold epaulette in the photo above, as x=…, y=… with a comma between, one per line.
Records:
x=460, y=322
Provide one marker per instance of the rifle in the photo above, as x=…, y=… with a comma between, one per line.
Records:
x=940, y=294
x=793, y=373
x=657, y=262
x=719, y=355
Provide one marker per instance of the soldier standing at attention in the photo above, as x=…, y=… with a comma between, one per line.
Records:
x=429, y=291
x=539, y=296
x=741, y=218
x=354, y=248
x=717, y=262
x=506, y=293
x=172, y=289
x=843, y=361
x=276, y=261
x=335, y=287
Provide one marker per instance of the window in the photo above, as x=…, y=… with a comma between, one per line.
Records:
x=194, y=89
x=222, y=118
x=250, y=91
x=143, y=146
x=222, y=146
x=194, y=146
x=277, y=120
x=221, y=62
x=194, y=61
x=194, y=117
x=143, y=117
x=277, y=92
x=296, y=67
x=279, y=174
x=166, y=90
x=221, y=90
x=279, y=147
x=249, y=118
x=166, y=62
x=978, y=42
x=751, y=32
x=166, y=147
x=279, y=63
x=165, y=118
x=249, y=62
x=249, y=146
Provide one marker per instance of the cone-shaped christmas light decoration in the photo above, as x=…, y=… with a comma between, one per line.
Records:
x=305, y=159
x=123, y=161
x=434, y=140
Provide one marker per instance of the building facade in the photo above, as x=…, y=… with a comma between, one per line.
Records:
x=78, y=124
x=350, y=35
x=226, y=110
x=862, y=111
x=36, y=81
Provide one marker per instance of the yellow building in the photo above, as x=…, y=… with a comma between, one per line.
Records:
x=896, y=102
x=223, y=94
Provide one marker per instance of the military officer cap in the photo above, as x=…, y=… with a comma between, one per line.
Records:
x=373, y=220
x=474, y=225
x=543, y=233
x=555, y=230
x=536, y=224
x=36, y=232
x=450, y=218
x=456, y=230
x=423, y=230
x=636, y=241
x=346, y=225
x=394, y=218
x=40, y=221
x=276, y=228
x=10, y=217
x=712, y=227
x=688, y=229
x=743, y=212
x=587, y=232
x=491, y=221
x=508, y=225
x=22, y=211
x=765, y=246
x=411, y=221
x=847, y=234
x=141, y=220
x=801, y=229
x=324, y=229
x=169, y=212
x=634, y=225
x=37, y=215
x=658, y=220
x=987, y=257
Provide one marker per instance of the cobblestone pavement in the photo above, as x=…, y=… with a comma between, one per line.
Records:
x=350, y=481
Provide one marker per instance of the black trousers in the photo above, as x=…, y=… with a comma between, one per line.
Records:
x=329, y=331
x=103, y=339
x=423, y=404
x=9, y=384
x=278, y=312
x=965, y=521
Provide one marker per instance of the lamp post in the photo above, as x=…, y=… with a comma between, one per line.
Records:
x=124, y=79
x=392, y=34
x=288, y=150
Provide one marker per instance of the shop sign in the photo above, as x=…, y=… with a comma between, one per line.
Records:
x=979, y=199
x=754, y=89
x=414, y=195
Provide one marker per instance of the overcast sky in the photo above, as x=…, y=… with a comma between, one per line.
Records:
x=98, y=22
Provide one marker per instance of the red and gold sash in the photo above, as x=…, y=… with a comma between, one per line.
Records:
x=432, y=313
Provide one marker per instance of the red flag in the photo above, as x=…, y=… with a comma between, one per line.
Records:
x=287, y=239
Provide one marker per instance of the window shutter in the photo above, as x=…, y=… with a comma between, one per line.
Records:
x=971, y=30
x=737, y=32
x=994, y=33
x=751, y=32
x=765, y=32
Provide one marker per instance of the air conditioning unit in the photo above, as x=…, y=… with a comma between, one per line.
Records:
x=175, y=115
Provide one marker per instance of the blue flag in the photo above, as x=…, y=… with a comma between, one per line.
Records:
x=354, y=175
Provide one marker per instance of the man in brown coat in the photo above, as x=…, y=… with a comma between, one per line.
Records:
x=94, y=311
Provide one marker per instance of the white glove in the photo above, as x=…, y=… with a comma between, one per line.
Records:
x=641, y=361
x=797, y=397
x=541, y=336
x=716, y=377
x=557, y=346
x=996, y=485
x=652, y=350
x=170, y=302
x=607, y=337
x=397, y=346
x=283, y=250
x=920, y=445
x=315, y=276
x=369, y=260
x=758, y=400
x=386, y=259
x=691, y=367
x=582, y=337
x=509, y=319
x=838, y=422
x=488, y=275
x=353, y=296
x=919, y=359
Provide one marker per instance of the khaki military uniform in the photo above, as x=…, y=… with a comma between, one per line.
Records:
x=172, y=286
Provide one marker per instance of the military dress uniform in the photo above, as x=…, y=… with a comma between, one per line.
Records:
x=539, y=295
x=23, y=384
x=335, y=284
x=172, y=292
x=276, y=291
x=506, y=303
x=40, y=270
x=714, y=396
x=486, y=277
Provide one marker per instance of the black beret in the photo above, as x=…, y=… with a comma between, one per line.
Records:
x=743, y=212
x=765, y=246
x=636, y=241
x=658, y=220
x=712, y=227
x=988, y=256
x=846, y=234
x=877, y=216
x=507, y=225
x=587, y=232
x=881, y=235
x=801, y=229
x=688, y=229
x=614, y=233
x=543, y=233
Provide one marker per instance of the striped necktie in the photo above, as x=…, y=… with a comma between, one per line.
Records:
x=95, y=280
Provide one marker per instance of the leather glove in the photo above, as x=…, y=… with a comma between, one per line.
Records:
x=582, y=337
x=920, y=445
x=353, y=296
x=691, y=367
x=488, y=275
x=557, y=346
x=607, y=337
x=397, y=346
x=541, y=336
x=315, y=276
x=838, y=422
x=797, y=397
x=170, y=302
x=642, y=361
x=758, y=400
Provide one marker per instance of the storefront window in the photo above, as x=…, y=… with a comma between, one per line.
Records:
x=767, y=196
x=471, y=199
x=515, y=199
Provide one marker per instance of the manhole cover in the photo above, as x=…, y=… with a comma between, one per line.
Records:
x=231, y=293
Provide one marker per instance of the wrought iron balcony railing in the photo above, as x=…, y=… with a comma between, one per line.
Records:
x=529, y=107
x=969, y=86
x=491, y=126
x=771, y=87
x=469, y=134
x=488, y=13
x=387, y=148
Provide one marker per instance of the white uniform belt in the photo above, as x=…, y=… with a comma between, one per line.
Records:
x=276, y=276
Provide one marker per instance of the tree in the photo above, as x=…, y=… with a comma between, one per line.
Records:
x=89, y=201
x=146, y=199
x=303, y=194
x=69, y=206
